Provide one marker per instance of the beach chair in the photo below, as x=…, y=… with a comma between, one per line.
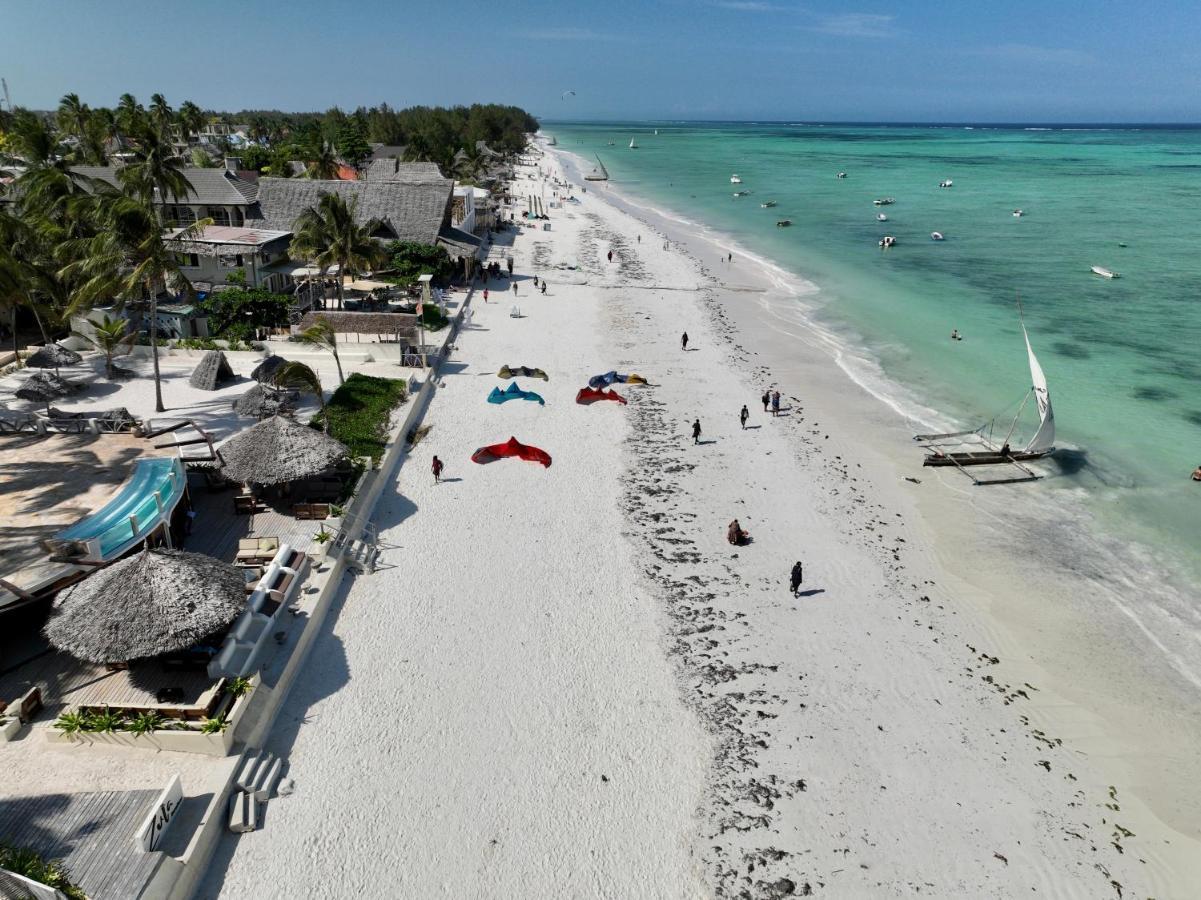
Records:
x=244, y=504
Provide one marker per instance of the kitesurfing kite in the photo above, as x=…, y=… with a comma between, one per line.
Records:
x=566, y=93
x=599, y=381
x=513, y=392
x=521, y=371
x=511, y=447
x=591, y=395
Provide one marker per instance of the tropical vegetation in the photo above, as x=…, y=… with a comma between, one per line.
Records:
x=359, y=412
x=29, y=864
x=328, y=236
x=409, y=259
x=322, y=334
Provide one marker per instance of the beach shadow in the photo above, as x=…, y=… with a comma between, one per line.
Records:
x=450, y=480
x=703, y=443
x=810, y=593
x=752, y=427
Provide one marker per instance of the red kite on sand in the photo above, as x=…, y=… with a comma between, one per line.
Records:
x=591, y=395
x=511, y=447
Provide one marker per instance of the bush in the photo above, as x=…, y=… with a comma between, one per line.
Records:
x=410, y=259
x=29, y=864
x=432, y=318
x=359, y=411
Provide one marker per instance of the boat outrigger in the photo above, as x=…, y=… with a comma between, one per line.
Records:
x=980, y=449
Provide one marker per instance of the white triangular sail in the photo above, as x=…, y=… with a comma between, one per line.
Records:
x=1044, y=439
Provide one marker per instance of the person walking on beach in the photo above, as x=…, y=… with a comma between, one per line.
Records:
x=696, y=431
x=610, y=256
x=437, y=469
x=485, y=295
x=535, y=281
x=775, y=403
x=743, y=416
x=684, y=341
x=766, y=397
x=730, y=258
x=510, y=262
x=543, y=286
x=514, y=288
x=797, y=576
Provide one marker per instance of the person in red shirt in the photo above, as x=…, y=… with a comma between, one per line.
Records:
x=437, y=469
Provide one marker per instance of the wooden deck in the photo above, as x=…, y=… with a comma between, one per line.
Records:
x=92, y=833
x=217, y=529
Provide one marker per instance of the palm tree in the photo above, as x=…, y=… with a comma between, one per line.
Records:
x=73, y=116
x=155, y=168
x=299, y=377
x=321, y=334
x=191, y=118
x=112, y=337
x=130, y=115
x=323, y=163
x=328, y=235
x=161, y=115
x=130, y=257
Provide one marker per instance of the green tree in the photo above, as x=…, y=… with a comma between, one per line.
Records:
x=112, y=337
x=410, y=259
x=72, y=117
x=328, y=235
x=191, y=119
x=352, y=145
x=321, y=162
x=155, y=169
x=237, y=312
x=321, y=334
x=130, y=115
x=296, y=376
x=161, y=116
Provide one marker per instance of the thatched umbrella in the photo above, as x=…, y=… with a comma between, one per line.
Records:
x=276, y=451
x=211, y=372
x=52, y=356
x=42, y=387
x=261, y=401
x=159, y=601
x=265, y=371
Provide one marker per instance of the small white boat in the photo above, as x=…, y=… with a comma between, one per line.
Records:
x=735, y=179
x=768, y=205
x=610, y=143
x=656, y=131
x=784, y=223
x=741, y=193
x=947, y=183
x=1104, y=272
x=888, y=241
x=842, y=174
x=633, y=146
x=1017, y=214
x=884, y=201
x=880, y=217
x=936, y=236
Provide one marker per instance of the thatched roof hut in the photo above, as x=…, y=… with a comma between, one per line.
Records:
x=278, y=450
x=212, y=371
x=264, y=372
x=156, y=602
x=52, y=356
x=42, y=387
x=262, y=401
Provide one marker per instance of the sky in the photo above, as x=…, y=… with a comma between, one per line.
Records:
x=954, y=60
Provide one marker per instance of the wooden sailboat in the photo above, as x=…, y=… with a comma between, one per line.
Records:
x=598, y=174
x=981, y=450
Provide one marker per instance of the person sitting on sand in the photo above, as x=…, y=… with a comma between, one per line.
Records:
x=797, y=576
x=1197, y=474
x=735, y=535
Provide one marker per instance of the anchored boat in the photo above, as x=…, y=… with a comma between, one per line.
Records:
x=1104, y=272
x=598, y=174
x=979, y=447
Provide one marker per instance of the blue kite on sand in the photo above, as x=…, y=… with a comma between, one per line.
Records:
x=513, y=392
x=596, y=382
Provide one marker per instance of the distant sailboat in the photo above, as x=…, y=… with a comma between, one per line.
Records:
x=991, y=454
x=656, y=131
x=633, y=146
x=598, y=174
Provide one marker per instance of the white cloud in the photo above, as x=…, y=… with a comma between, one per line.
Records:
x=857, y=25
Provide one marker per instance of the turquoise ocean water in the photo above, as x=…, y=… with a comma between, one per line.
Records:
x=1122, y=357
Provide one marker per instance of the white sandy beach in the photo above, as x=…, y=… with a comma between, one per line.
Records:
x=565, y=683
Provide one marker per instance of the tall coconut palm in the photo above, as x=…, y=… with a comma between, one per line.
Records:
x=321, y=334
x=297, y=376
x=129, y=257
x=130, y=115
x=155, y=168
x=112, y=337
x=191, y=118
x=328, y=235
x=72, y=117
x=161, y=115
x=322, y=163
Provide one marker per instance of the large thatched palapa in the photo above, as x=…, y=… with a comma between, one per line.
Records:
x=263, y=400
x=212, y=371
x=278, y=450
x=42, y=387
x=159, y=601
x=52, y=356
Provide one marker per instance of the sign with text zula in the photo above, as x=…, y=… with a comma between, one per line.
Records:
x=150, y=835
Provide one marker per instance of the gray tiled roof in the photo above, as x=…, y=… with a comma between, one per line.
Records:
x=410, y=172
x=413, y=211
x=383, y=151
x=209, y=186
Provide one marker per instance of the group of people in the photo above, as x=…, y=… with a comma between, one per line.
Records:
x=770, y=398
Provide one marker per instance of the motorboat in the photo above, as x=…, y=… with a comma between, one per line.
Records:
x=741, y=193
x=784, y=223
x=947, y=183
x=888, y=241
x=842, y=174
x=768, y=205
x=1104, y=272
x=884, y=201
x=735, y=179
x=880, y=217
x=1017, y=214
x=936, y=236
